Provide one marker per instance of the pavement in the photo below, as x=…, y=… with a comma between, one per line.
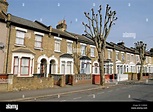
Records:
x=11, y=96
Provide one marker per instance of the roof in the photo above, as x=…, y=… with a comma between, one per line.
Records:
x=85, y=58
x=66, y=55
x=23, y=50
x=123, y=48
x=63, y=33
x=82, y=38
x=138, y=63
x=27, y=23
x=39, y=26
x=108, y=61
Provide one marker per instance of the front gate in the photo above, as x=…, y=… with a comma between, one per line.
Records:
x=68, y=79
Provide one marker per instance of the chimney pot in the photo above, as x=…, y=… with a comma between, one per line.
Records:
x=62, y=25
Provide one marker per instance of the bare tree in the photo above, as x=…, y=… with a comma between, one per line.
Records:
x=99, y=33
x=141, y=47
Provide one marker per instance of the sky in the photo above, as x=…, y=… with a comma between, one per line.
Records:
x=134, y=23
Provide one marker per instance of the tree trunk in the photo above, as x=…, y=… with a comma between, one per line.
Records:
x=101, y=67
x=141, y=71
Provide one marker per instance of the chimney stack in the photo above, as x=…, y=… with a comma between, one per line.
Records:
x=3, y=6
x=121, y=43
x=62, y=25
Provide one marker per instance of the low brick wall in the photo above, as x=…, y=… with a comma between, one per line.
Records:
x=3, y=82
x=82, y=79
x=3, y=86
x=3, y=76
x=132, y=76
x=28, y=83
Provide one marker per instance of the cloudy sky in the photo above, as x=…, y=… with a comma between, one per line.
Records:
x=135, y=17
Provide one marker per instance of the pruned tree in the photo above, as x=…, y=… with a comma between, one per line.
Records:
x=98, y=32
x=141, y=47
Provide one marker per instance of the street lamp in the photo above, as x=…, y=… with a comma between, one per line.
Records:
x=141, y=47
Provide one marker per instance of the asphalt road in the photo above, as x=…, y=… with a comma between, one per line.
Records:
x=135, y=92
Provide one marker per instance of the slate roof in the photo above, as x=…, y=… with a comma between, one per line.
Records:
x=39, y=26
x=108, y=61
x=62, y=33
x=66, y=55
x=23, y=50
x=82, y=39
x=85, y=58
x=27, y=23
x=123, y=48
x=86, y=40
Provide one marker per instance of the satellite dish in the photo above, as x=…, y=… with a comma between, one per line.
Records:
x=1, y=46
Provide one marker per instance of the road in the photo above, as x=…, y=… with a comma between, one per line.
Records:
x=135, y=92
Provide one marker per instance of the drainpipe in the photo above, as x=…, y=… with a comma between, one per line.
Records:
x=9, y=35
x=77, y=55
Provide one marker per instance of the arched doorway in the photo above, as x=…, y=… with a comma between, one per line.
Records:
x=52, y=67
x=43, y=67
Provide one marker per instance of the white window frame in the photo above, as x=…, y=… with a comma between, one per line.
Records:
x=57, y=40
x=63, y=59
x=146, y=59
x=122, y=56
x=137, y=58
x=20, y=38
x=25, y=66
x=41, y=35
x=38, y=41
x=68, y=49
x=117, y=55
x=128, y=54
x=108, y=68
x=18, y=29
x=110, y=53
x=85, y=62
x=92, y=51
x=31, y=64
x=83, y=51
x=95, y=67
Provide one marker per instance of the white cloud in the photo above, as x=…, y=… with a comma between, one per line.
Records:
x=40, y=19
x=58, y=4
x=23, y=4
x=94, y=4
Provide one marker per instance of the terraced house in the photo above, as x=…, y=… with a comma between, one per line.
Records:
x=34, y=48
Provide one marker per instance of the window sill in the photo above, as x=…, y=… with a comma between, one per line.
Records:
x=69, y=53
x=38, y=48
x=57, y=51
x=24, y=76
x=18, y=45
x=92, y=56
